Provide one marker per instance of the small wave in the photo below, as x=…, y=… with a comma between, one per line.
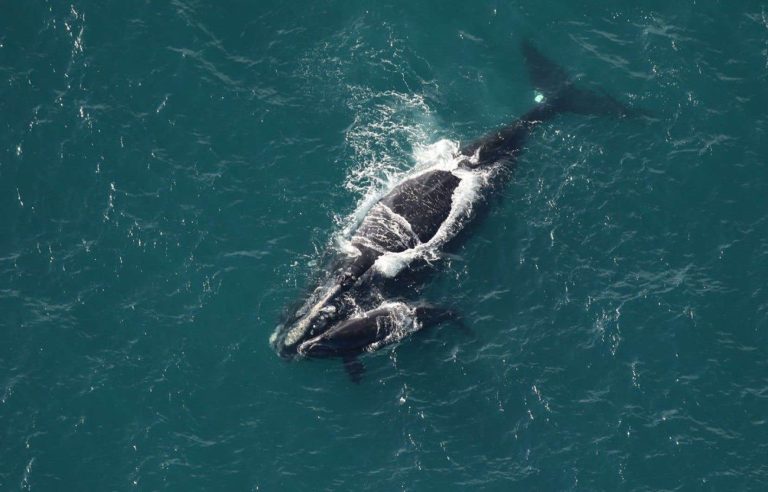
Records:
x=389, y=127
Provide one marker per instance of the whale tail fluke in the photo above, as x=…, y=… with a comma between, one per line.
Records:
x=563, y=94
x=546, y=75
x=558, y=93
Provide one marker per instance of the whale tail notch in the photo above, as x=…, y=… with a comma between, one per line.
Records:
x=561, y=92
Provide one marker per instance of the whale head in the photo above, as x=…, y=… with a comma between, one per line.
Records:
x=333, y=299
x=299, y=328
x=315, y=316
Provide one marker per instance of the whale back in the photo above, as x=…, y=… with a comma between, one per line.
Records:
x=424, y=201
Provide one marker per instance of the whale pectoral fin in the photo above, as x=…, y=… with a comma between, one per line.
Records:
x=458, y=321
x=354, y=368
x=462, y=325
x=431, y=315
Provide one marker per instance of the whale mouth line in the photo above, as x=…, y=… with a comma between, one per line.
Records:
x=304, y=348
x=314, y=348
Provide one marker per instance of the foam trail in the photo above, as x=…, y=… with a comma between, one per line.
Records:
x=387, y=126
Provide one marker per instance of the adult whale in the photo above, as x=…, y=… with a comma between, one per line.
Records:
x=422, y=213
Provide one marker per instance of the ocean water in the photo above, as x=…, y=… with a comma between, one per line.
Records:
x=171, y=174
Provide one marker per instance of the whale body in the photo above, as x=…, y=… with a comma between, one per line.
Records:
x=385, y=325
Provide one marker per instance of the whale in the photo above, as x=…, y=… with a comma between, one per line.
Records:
x=370, y=331
x=425, y=211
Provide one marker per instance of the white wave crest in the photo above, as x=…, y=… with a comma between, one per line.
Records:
x=390, y=129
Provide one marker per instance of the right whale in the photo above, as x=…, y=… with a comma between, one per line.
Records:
x=370, y=331
x=425, y=211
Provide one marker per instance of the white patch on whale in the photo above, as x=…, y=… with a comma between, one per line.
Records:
x=404, y=322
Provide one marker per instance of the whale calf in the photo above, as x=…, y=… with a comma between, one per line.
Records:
x=421, y=213
x=385, y=325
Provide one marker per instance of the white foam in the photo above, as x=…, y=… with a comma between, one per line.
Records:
x=387, y=127
x=439, y=155
x=404, y=321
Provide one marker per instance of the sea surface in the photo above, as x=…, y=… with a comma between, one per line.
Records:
x=172, y=175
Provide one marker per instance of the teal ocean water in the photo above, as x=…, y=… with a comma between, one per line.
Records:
x=171, y=174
